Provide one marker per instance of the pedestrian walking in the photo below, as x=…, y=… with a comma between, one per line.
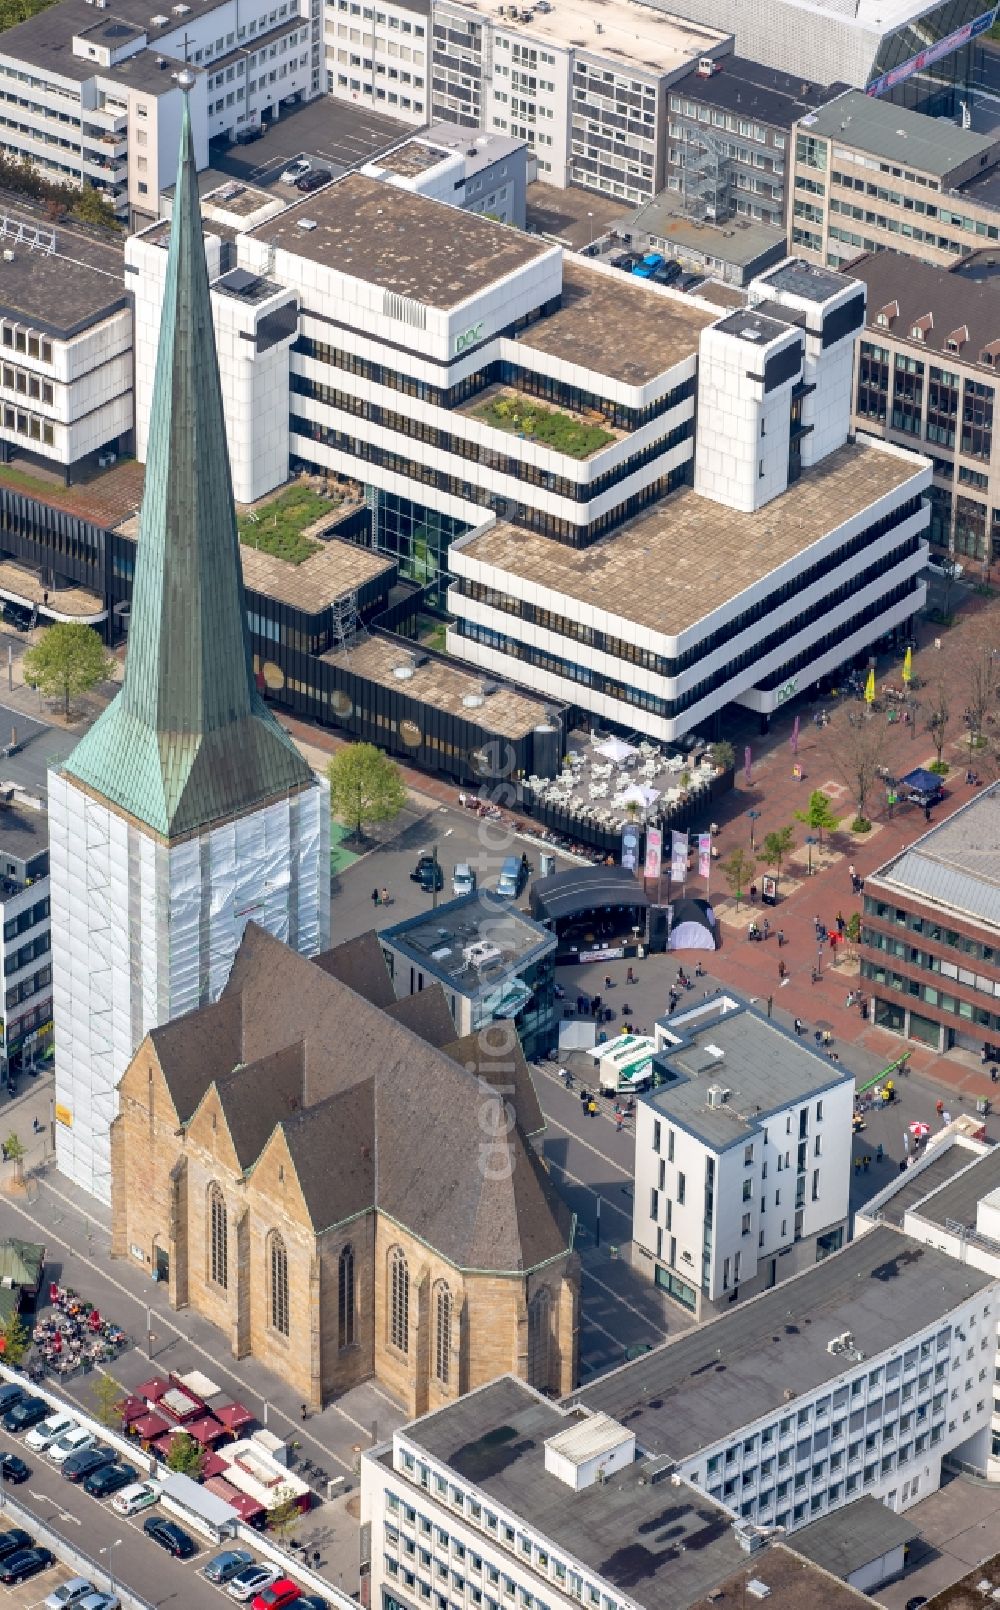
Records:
x=841, y=923
x=857, y=1165
x=591, y=1108
x=867, y=1162
x=939, y=1108
x=303, y=1412
x=385, y=896
x=781, y=971
x=620, y=1123
x=946, y=1118
x=798, y=1025
x=850, y=1000
x=767, y=927
x=879, y=1152
x=781, y=937
x=852, y=873
x=374, y=897
x=630, y=977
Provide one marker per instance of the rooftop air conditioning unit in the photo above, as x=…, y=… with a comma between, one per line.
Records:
x=718, y=1095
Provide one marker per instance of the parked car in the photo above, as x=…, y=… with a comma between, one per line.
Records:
x=86, y=1461
x=13, y=1469
x=225, y=1565
x=109, y=1479
x=511, y=879
x=296, y=170
x=17, y=616
x=98, y=1601
x=626, y=260
x=76, y=1440
x=428, y=874
x=252, y=1580
x=69, y=1593
x=28, y=1412
x=312, y=1601
x=463, y=879
x=170, y=1536
x=139, y=1496
x=313, y=180
x=281, y=1592
x=13, y=1542
x=9, y=1395
x=248, y=136
x=48, y=1431
x=27, y=1562
x=650, y=263
x=667, y=273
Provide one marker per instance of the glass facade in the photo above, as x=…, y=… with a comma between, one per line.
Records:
x=934, y=90
x=418, y=538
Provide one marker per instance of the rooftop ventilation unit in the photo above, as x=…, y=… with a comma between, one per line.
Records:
x=306, y=223
x=718, y=1095
x=757, y=1589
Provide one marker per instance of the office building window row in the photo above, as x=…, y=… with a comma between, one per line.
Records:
x=930, y=994
x=931, y=963
x=500, y=372
x=665, y=665
x=549, y=525
x=420, y=429
x=930, y=928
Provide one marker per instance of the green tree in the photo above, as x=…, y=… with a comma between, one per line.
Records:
x=91, y=208
x=723, y=755
x=776, y=849
x=69, y=659
x=15, y=1149
x=818, y=814
x=738, y=871
x=16, y=1340
x=285, y=1514
x=365, y=786
x=108, y=1395
x=185, y=1455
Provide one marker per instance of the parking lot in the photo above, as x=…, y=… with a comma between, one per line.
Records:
x=110, y=1539
x=327, y=133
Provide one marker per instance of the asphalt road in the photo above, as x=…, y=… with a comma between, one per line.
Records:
x=42, y=746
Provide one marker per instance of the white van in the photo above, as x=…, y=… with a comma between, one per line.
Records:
x=141, y=1495
x=463, y=880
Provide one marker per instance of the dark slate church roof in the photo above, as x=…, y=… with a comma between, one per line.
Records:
x=374, y=1115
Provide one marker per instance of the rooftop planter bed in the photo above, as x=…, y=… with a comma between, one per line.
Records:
x=538, y=423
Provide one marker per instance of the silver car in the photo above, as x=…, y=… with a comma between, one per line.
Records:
x=69, y=1594
x=251, y=1580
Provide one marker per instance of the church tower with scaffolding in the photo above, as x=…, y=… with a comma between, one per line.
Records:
x=186, y=810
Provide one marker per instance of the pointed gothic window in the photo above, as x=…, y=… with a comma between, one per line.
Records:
x=345, y=1298
x=218, y=1238
x=278, y=1261
x=399, y=1300
x=539, y=1328
x=442, y=1333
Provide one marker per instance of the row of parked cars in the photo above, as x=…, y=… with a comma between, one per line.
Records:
x=102, y=1473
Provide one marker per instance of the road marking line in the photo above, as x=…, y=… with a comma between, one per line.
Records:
x=595, y=1324
x=606, y=1200
x=619, y=1299
x=595, y=1149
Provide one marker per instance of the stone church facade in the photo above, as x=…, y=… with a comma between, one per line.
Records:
x=322, y=1195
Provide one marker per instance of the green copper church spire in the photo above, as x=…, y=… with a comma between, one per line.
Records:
x=188, y=741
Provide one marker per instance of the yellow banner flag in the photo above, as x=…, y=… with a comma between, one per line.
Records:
x=908, y=666
x=870, y=687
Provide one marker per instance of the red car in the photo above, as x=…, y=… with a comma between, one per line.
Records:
x=278, y=1595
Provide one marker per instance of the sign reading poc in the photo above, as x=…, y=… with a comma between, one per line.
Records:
x=469, y=337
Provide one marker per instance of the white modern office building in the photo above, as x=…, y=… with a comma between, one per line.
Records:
x=89, y=93
x=950, y=1200
x=378, y=57
x=783, y=1409
x=26, y=953
x=665, y=615
x=66, y=392
x=742, y=1156
x=587, y=89
x=482, y=172
x=524, y=423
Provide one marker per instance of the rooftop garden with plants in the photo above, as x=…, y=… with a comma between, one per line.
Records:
x=536, y=422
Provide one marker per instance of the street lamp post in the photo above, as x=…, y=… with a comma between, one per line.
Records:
x=754, y=819
x=110, y=1566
